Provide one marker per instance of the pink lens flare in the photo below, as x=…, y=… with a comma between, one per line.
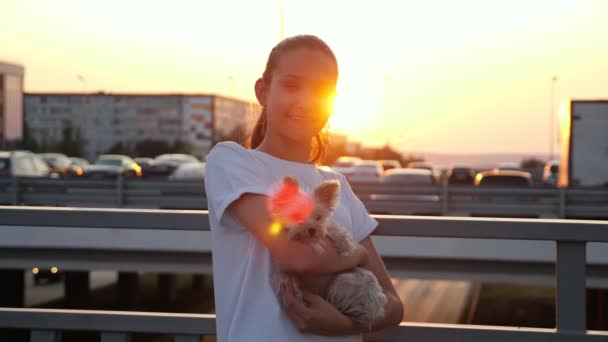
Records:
x=288, y=205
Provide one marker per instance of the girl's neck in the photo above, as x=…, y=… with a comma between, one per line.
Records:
x=285, y=149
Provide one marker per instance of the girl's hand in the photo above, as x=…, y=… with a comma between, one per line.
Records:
x=361, y=254
x=317, y=316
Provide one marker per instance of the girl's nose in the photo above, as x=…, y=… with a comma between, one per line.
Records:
x=311, y=232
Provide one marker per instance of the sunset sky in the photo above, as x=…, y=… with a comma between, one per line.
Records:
x=463, y=76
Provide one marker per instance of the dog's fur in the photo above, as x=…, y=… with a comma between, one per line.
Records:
x=355, y=293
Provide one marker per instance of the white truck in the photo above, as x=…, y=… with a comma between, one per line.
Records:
x=584, y=132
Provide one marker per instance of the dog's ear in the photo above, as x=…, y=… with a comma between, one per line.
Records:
x=327, y=193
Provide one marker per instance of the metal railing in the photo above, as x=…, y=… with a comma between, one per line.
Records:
x=113, y=193
x=397, y=199
x=570, y=236
x=46, y=325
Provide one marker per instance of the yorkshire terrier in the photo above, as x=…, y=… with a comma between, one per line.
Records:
x=356, y=293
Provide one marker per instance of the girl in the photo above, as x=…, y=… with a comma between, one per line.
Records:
x=296, y=92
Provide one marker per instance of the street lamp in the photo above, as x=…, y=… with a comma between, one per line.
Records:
x=231, y=81
x=90, y=129
x=552, y=116
x=387, y=108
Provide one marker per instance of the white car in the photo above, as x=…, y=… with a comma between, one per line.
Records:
x=189, y=171
x=420, y=165
x=23, y=164
x=345, y=165
x=508, y=166
x=409, y=176
x=411, y=201
x=366, y=171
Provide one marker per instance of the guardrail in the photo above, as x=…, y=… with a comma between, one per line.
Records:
x=570, y=237
x=46, y=325
x=113, y=193
x=379, y=198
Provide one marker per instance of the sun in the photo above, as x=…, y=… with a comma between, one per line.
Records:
x=359, y=105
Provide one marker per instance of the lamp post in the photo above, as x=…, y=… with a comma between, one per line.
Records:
x=232, y=84
x=387, y=109
x=552, y=116
x=90, y=130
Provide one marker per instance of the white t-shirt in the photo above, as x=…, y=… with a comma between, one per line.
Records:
x=246, y=306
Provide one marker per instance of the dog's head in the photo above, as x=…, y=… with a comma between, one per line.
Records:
x=314, y=228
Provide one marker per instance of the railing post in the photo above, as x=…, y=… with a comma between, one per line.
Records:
x=119, y=191
x=562, y=202
x=444, y=197
x=76, y=286
x=15, y=186
x=570, y=274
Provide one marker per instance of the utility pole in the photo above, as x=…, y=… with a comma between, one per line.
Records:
x=88, y=122
x=552, y=116
x=231, y=80
x=387, y=109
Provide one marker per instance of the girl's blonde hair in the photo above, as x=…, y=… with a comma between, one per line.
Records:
x=320, y=141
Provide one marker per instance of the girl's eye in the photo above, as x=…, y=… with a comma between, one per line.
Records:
x=291, y=86
x=318, y=218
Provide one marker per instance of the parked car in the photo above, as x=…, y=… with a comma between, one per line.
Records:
x=461, y=175
x=366, y=171
x=508, y=166
x=407, y=176
x=78, y=167
x=165, y=164
x=146, y=165
x=189, y=171
x=505, y=179
x=345, y=165
x=390, y=164
x=551, y=173
x=112, y=166
x=58, y=162
x=23, y=164
x=409, y=202
x=420, y=165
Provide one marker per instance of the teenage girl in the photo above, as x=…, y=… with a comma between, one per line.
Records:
x=295, y=91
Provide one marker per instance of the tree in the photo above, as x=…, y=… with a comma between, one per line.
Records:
x=70, y=143
x=532, y=163
x=120, y=148
x=28, y=142
x=151, y=148
x=237, y=134
x=180, y=146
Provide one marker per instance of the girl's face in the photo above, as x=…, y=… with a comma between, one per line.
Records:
x=300, y=95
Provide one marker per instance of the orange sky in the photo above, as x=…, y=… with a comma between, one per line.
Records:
x=464, y=76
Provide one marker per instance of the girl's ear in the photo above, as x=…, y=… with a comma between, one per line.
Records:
x=327, y=193
x=261, y=89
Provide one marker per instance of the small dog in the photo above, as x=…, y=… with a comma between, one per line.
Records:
x=355, y=293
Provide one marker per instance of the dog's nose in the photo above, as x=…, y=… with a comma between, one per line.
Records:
x=311, y=232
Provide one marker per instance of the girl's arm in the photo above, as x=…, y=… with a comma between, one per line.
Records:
x=393, y=310
x=320, y=317
x=292, y=256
